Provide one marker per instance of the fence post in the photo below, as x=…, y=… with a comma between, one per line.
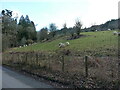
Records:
x=63, y=63
x=49, y=62
x=86, y=66
x=25, y=59
x=11, y=56
x=37, y=59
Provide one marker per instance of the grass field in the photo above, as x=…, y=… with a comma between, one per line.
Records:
x=102, y=69
x=101, y=41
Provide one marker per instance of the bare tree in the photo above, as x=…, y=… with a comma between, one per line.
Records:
x=64, y=28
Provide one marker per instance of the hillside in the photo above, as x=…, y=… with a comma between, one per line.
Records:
x=112, y=24
x=102, y=42
x=47, y=60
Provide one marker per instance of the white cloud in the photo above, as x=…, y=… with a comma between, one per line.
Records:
x=100, y=11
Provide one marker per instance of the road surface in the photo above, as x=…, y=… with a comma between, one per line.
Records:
x=12, y=79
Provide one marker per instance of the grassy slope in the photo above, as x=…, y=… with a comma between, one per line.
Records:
x=100, y=40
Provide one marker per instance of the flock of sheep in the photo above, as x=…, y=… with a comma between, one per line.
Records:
x=27, y=45
x=62, y=45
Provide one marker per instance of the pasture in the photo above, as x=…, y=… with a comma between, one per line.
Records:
x=100, y=42
x=47, y=60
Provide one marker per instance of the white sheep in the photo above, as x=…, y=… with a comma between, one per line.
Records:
x=67, y=43
x=115, y=33
x=29, y=44
x=61, y=45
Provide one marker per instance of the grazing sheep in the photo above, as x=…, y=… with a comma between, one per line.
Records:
x=29, y=44
x=109, y=29
x=96, y=30
x=61, y=45
x=115, y=33
x=20, y=46
x=67, y=43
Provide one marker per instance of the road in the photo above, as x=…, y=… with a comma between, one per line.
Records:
x=12, y=79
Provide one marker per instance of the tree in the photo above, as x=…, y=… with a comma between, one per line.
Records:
x=65, y=25
x=9, y=29
x=64, y=29
x=3, y=12
x=34, y=33
x=93, y=28
x=27, y=19
x=23, y=41
x=26, y=29
x=8, y=12
x=78, y=26
x=43, y=34
x=14, y=34
x=119, y=24
x=53, y=29
x=21, y=21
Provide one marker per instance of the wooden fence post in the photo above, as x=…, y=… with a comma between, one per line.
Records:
x=63, y=63
x=86, y=66
x=11, y=57
x=25, y=59
x=37, y=59
x=49, y=62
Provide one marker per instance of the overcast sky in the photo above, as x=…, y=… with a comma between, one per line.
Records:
x=44, y=12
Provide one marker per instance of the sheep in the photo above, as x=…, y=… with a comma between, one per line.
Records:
x=20, y=46
x=67, y=43
x=115, y=33
x=29, y=44
x=61, y=45
x=109, y=29
x=96, y=30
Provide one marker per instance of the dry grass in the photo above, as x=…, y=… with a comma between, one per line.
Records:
x=100, y=69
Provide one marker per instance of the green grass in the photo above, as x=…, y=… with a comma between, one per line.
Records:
x=94, y=41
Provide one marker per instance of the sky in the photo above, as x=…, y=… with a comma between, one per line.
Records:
x=44, y=12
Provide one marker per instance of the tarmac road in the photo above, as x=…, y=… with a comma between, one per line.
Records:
x=12, y=79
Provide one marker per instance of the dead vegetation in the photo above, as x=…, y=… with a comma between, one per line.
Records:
x=67, y=69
